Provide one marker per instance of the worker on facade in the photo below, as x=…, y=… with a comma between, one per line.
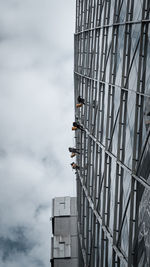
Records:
x=74, y=128
x=81, y=102
x=74, y=166
x=77, y=125
x=73, y=150
x=73, y=155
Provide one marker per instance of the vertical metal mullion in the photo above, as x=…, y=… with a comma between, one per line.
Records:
x=81, y=153
x=92, y=250
x=89, y=105
x=99, y=107
x=91, y=168
x=96, y=176
x=77, y=53
x=89, y=165
x=120, y=203
x=102, y=55
x=85, y=14
x=83, y=221
x=86, y=104
x=81, y=203
x=95, y=107
x=105, y=36
x=77, y=15
x=92, y=15
x=116, y=212
x=108, y=192
x=97, y=51
x=99, y=183
x=86, y=17
x=88, y=49
x=87, y=232
x=89, y=15
x=82, y=15
x=80, y=194
x=95, y=13
x=86, y=158
x=95, y=243
x=108, y=187
x=84, y=53
x=101, y=5
x=102, y=113
x=108, y=117
x=98, y=245
x=83, y=96
x=94, y=53
x=103, y=208
x=92, y=173
x=79, y=58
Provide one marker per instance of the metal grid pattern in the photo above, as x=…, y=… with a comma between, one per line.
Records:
x=112, y=75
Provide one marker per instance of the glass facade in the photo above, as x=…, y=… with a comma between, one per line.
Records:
x=112, y=75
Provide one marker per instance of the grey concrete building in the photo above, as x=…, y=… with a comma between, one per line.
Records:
x=64, y=243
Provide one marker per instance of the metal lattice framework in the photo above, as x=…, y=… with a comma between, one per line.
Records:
x=112, y=74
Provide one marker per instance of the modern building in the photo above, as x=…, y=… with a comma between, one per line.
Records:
x=64, y=243
x=112, y=75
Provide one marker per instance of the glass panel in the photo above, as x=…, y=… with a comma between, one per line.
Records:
x=120, y=55
x=123, y=6
x=114, y=133
x=134, y=56
x=112, y=3
x=137, y=14
x=130, y=129
x=108, y=55
x=124, y=222
x=109, y=254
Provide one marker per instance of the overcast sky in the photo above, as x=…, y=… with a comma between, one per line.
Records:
x=36, y=113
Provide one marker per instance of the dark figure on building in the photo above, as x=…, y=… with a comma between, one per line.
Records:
x=81, y=100
x=73, y=150
x=75, y=166
x=77, y=125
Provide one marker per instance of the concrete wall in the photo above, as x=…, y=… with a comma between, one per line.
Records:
x=64, y=248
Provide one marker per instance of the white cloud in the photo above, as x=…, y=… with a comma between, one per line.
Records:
x=36, y=112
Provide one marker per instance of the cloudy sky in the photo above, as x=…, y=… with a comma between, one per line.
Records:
x=36, y=112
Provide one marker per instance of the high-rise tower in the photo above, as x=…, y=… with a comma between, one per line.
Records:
x=112, y=76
